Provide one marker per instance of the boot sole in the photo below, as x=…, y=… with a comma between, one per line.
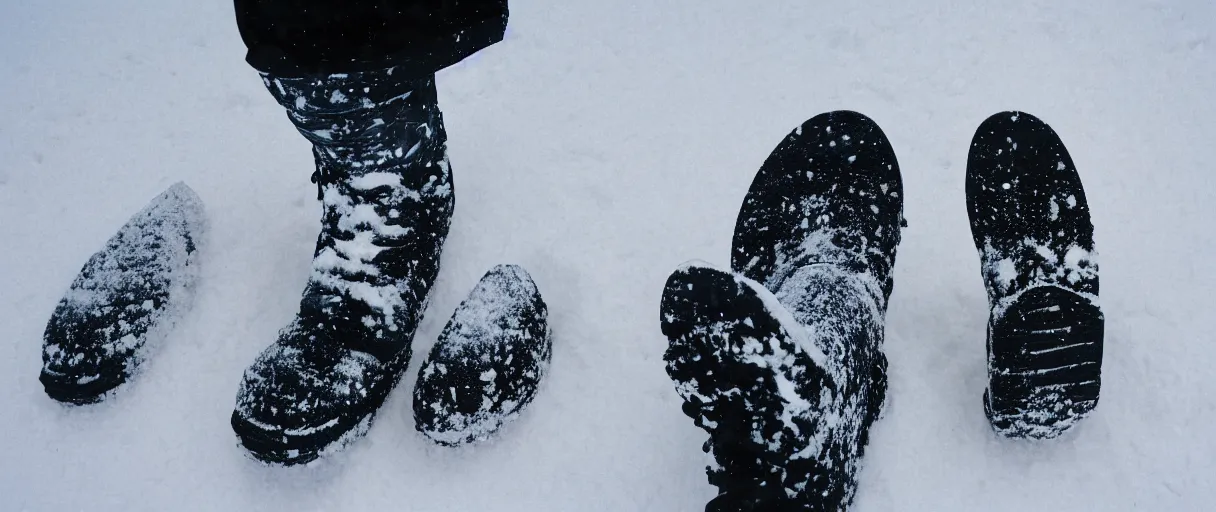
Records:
x=1045, y=363
x=1030, y=223
x=696, y=297
x=726, y=333
x=62, y=388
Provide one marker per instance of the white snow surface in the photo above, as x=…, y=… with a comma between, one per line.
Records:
x=600, y=145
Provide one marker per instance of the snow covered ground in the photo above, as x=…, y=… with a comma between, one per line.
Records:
x=599, y=146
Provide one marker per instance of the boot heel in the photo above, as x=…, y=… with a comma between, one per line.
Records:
x=1044, y=363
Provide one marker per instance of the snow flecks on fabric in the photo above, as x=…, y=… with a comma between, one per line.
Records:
x=807, y=388
x=820, y=247
x=798, y=333
x=1036, y=263
x=841, y=310
x=362, y=208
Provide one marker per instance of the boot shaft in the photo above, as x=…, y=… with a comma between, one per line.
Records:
x=385, y=188
x=830, y=192
x=363, y=122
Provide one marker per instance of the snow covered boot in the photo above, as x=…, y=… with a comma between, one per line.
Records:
x=788, y=383
x=1032, y=229
x=125, y=300
x=488, y=362
x=386, y=191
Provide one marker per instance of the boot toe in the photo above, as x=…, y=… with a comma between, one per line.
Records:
x=295, y=402
x=78, y=371
x=488, y=363
x=78, y=386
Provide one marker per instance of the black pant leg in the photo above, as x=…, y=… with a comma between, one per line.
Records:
x=295, y=38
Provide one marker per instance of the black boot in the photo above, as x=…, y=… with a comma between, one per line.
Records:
x=125, y=300
x=386, y=189
x=752, y=380
x=488, y=361
x=1031, y=225
x=788, y=383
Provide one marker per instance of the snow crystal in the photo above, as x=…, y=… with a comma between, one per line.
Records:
x=1075, y=256
x=1005, y=272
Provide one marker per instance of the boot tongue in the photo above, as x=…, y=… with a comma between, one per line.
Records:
x=338, y=320
x=375, y=140
x=355, y=291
